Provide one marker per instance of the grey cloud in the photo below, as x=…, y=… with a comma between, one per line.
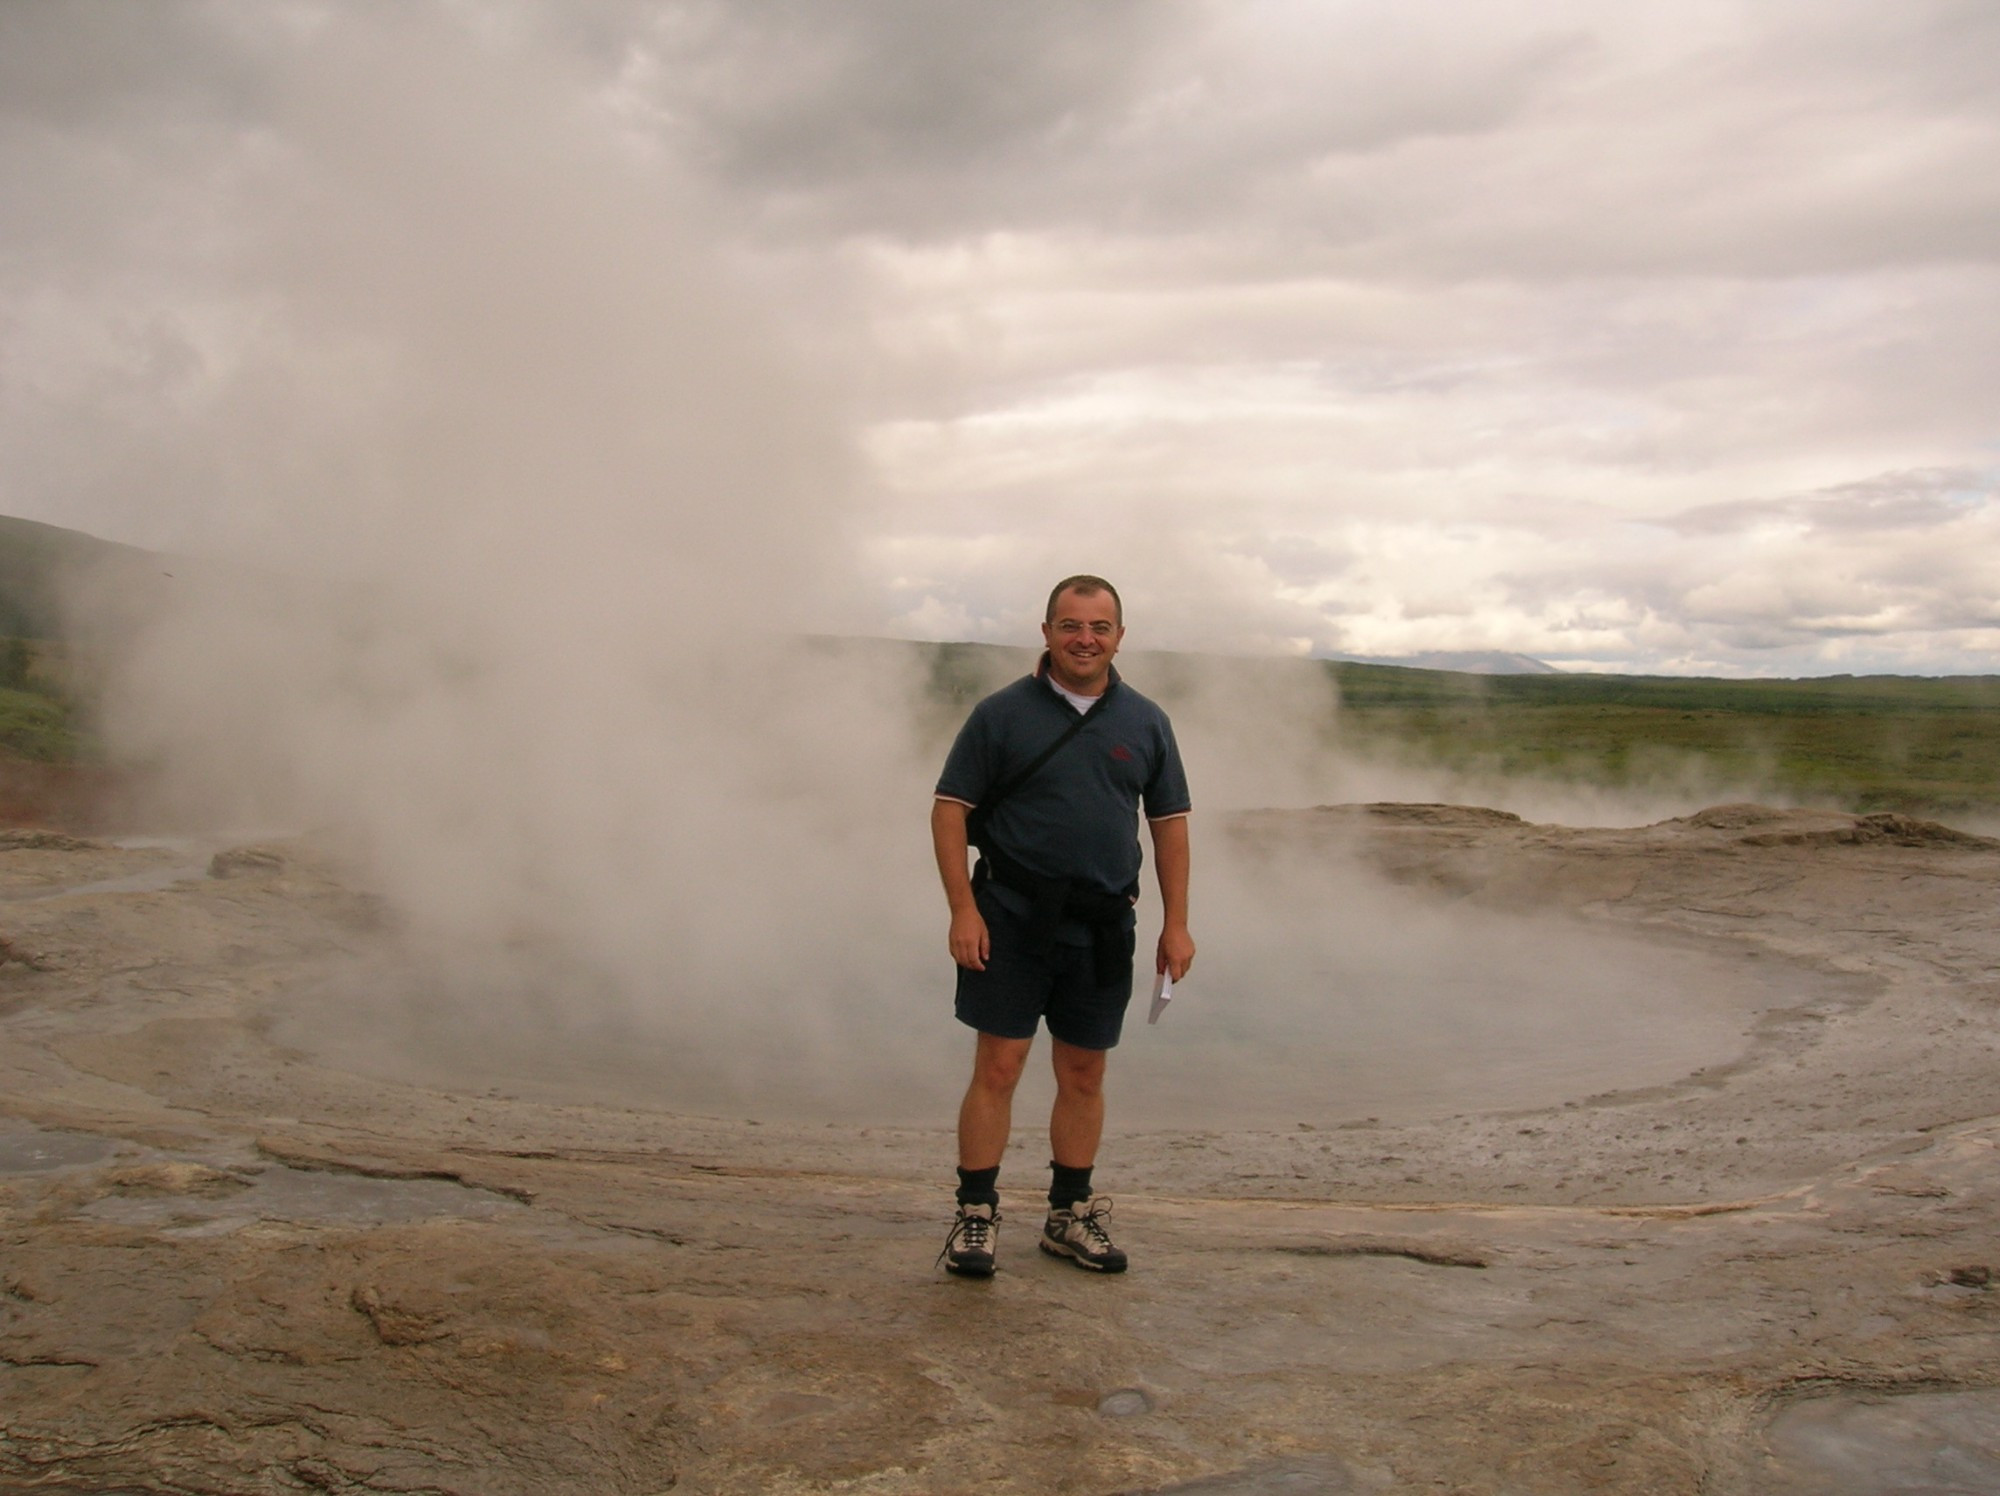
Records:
x=852, y=100
x=1899, y=571
x=1936, y=54
x=1800, y=141
x=121, y=128
x=1925, y=499
x=1260, y=139
x=1759, y=638
x=89, y=67
x=1294, y=560
x=926, y=120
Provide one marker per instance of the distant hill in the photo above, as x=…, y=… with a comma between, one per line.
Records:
x=1464, y=661
x=36, y=560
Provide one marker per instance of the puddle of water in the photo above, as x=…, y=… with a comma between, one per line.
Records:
x=191, y=865
x=311, y=1197
x=1307, y=1475
x=33, y=1150
x=1919, y=1444
x=1125, y=1402
x=200, y=848
x=153, y=880
x=226, y=1199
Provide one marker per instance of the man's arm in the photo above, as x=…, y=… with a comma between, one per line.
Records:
x=970, y=944
x=1170, y=861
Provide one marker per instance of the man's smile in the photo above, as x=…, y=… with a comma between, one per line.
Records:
x=1083, y=633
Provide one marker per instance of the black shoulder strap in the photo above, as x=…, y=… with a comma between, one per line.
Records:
x=975, y=823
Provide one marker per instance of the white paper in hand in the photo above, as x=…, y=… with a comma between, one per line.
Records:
x=1163, y=993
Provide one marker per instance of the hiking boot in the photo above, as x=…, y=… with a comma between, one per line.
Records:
x=968, y=1251
x=1079, y=1234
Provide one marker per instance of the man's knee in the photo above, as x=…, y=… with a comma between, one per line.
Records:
x=998, y=1064
x=1079, y=1071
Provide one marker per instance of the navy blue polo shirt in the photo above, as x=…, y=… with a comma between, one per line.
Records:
x=1077, y=818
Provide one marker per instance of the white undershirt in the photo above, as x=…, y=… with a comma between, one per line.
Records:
x=1081, y=703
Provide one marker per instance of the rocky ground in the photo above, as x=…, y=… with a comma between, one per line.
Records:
x=228, y=1267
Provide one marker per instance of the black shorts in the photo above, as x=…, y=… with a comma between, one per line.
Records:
x=1018, y=989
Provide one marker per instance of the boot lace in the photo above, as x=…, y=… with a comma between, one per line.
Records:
x=1092, y=1221
x=975, y=1232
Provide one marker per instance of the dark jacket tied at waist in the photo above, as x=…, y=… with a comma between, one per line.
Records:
x=1108, y=916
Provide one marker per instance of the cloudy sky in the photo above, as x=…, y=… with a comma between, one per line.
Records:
x=1658, y=338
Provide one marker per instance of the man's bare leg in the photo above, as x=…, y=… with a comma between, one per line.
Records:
x=1076, y=1124
x=986, y=1114
x=1076, y=1225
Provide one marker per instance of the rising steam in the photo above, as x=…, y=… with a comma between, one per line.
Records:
x=534, y=503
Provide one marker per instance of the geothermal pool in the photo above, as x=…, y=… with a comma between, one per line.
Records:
x=1395, y=1013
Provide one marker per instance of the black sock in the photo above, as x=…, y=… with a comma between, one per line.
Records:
x=979, y=1186
x=1068, y=1185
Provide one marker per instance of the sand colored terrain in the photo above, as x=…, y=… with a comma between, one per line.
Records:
x=226, y=1266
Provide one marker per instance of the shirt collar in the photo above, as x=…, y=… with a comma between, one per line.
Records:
x=1111, y=679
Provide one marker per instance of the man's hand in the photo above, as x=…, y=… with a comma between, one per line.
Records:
x=970, y=944
x=1175, y=953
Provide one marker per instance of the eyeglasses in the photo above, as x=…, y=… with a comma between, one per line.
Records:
x=1069, y=628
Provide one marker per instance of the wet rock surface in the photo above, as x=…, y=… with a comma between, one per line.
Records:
x=226, y=1266
x=1944, y=1443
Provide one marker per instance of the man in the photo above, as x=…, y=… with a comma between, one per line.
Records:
x=1047, y=778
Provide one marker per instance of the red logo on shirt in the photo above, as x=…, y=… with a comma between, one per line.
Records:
x=1122, y=754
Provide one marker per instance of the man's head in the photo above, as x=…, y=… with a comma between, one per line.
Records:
x=1085, y=585
x=1083, y=628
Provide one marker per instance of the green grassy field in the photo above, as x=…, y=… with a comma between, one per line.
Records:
x=40, y=718
x=39, y=725
x=1924, y=746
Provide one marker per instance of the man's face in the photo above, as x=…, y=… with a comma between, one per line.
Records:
x=1082, y=638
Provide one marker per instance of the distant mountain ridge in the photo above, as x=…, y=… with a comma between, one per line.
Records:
x=36, y=560
x=1463, y=661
